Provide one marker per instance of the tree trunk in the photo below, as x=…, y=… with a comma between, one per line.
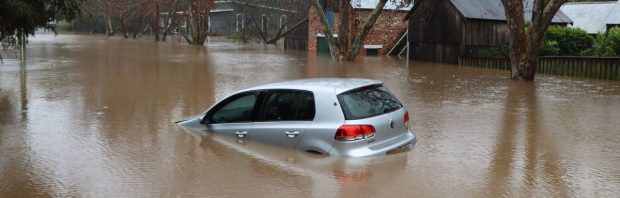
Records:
x=367, y=26
x=148, y=25
x=155, y=22
x=329, y=35
x=342, y=48
x=137, y=28
x=108, y=25
x=171, y=21
x=281, y=34
x=342, y=42
x=526, y=39
x=199, y=16
x=156, y=30
x=123, y=27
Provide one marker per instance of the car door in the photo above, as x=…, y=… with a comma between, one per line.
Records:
x=284, y=117
x=234, y=115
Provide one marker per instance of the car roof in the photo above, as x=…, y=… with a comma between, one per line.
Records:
x=313, y=84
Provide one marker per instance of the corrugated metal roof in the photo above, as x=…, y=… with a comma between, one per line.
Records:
x=590, y=16
x=370, y=4
x=614, y=15
x=494, y=10
x=560, y=17
x=480, y=9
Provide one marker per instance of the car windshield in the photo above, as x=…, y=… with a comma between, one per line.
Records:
x=367, y=102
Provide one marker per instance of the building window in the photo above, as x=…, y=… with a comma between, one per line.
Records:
x=283, y=21
x=372, y=50
x=239, y=22
x=330, y=18
x=263, y=22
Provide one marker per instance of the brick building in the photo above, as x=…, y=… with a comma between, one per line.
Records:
x=386, y=31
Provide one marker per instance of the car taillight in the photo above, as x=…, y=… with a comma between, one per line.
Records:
x=406, y=118
x=354, y=132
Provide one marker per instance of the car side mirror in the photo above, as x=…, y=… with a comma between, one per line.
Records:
x=205, y=119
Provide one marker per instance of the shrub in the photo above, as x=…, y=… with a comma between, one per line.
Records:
x=570, y=41
x=602, y=47
x=549, y=48
x=613, y=35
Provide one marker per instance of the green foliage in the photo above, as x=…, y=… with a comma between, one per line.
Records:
x=569, y=41
x=23, y=17
x=241, y=35
x=613, y=35
x=236, y=36
x=602, y=47
x=63, y=26
x=496, y=52
x=549, y=48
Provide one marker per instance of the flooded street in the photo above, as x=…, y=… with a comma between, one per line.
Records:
x=91, y=116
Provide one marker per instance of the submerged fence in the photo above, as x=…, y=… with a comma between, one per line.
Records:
x=590, y=67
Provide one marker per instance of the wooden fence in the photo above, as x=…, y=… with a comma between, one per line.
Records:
x=590, y=67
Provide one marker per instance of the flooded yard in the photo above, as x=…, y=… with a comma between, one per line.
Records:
x=91, y=116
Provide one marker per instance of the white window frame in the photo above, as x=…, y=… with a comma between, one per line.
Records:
x=238, y=19
x=263, y=22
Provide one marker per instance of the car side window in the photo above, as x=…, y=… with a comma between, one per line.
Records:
x=288, y=105
x=238, y=108
x=306, y=108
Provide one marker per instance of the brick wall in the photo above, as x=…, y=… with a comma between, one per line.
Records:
x=384, y=32
x=314, y=26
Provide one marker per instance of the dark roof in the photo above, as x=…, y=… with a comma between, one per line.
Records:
x=493, y=10
x=480, y=9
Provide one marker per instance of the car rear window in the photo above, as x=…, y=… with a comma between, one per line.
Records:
x=367, y=102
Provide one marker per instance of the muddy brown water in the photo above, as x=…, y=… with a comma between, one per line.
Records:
x=90, y=116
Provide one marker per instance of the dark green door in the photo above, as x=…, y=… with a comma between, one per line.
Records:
x=321, y=45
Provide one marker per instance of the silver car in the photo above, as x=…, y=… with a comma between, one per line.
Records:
x=330, y=116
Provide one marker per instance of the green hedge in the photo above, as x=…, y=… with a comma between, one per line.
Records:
x=565, y=41
x=605, y=45
x=613, y=35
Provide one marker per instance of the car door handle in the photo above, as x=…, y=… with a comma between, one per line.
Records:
x=241, y=134
x=292, y=134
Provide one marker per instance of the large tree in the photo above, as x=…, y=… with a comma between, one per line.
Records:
x=526, y=35
x=342, y=48
x=198, y=17
x=105, y=10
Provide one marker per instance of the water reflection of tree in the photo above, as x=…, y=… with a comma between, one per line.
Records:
x=522, y=115
x=15, y=144
x=23, y=91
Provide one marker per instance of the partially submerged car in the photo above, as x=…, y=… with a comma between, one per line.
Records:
x=331, y=116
